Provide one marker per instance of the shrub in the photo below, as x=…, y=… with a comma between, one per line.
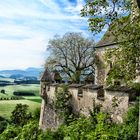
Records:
x=3, y=125
x=48, y=135
x=20, y=115
x=10, y=133
x=36, y=114
x=29, y=131
x=21, y=93
x=3, y=91
x=130, y=126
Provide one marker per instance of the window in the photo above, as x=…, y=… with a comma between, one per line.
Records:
x=80, y=92
x=100, y=94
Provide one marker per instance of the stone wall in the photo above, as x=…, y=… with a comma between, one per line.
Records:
x=82, y=99
x=116, y=103
x=101, y=67
x=83, y=96
x=48, y=116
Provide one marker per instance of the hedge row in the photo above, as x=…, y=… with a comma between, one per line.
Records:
x=19, y=93
x=11, y=98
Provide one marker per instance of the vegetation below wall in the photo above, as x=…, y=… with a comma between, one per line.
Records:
x=62, y=104
x=98, y=126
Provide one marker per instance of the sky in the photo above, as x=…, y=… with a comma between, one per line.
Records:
x=27, y=25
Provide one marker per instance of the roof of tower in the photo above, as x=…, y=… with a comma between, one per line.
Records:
x=46, y=77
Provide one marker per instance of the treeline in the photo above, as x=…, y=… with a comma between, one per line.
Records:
x=22, y=93
x=6, y=83
x=26, y=81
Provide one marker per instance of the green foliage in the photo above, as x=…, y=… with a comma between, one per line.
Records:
x=101, y=131
x=9, y=101
x=78, y=129
x=98, y=126
x=10, y=132
x=125, y=58
x=3, y=124
x=136, y=87
x=115, y=102
x=129, y=130
x=48, y=135
x=101, y=13
x=3, y=91
x=20, y=115
x=132, y=114
x=124, y=29
x=84, y=128
x=7, y=106
x=62, y=103
x=29, y=131
x=36, y=114
x=93, y=113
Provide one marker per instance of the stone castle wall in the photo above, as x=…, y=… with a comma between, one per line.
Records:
x=101, y=67
x=82, y=101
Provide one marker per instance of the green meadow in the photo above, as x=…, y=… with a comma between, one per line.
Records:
x=6, y=79
x=34, y=88
x=7, y=104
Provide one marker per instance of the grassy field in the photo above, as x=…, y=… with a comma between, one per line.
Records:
x=34, y=88
x=6, y=79
x=7, y=106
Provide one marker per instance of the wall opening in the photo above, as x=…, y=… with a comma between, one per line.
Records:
x=100, y=94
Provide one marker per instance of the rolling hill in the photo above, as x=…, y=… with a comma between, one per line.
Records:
x=29, y=72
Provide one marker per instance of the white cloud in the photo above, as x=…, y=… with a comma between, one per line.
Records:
x=75, y=9
x=26, y=26
x=21, y=10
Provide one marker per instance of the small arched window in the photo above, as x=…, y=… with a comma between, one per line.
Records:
x=80, y=92
x=100, y=94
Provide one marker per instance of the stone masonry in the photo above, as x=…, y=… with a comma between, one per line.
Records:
x=83, y=97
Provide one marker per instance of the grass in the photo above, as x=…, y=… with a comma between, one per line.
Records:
x=37, y=99
x=31, y=88
x=7, y=106
x=34, y=88
x=7, y=79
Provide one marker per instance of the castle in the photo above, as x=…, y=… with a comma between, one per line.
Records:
x=83, y=95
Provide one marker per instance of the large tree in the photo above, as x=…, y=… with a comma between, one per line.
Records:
x=72, y=55
x=123, y=19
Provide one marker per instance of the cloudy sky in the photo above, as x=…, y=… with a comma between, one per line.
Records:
x=27, y=25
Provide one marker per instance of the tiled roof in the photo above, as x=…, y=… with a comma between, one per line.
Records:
x=107, y=40
x=46, y=77
x=120, y=89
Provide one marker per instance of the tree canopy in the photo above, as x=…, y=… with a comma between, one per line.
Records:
x=101, y=13
x=123, y=19
x=72, y=55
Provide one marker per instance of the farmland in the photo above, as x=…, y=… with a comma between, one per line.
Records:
x=7, y=106
x=8, y=100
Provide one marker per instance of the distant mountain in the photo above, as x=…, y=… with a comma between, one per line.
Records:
x=2, y=76
x=29, y=72
x=16, y=76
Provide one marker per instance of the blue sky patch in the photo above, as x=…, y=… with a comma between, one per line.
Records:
x=26, y=27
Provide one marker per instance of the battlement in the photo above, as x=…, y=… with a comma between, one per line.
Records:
x=82, y=98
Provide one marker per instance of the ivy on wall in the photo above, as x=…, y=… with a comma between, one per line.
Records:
x=62, y=104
